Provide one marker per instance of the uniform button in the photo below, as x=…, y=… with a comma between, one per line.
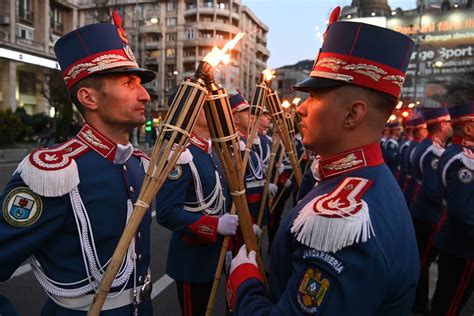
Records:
x=139, y=257
x=140, y=279
x=132, y=189
x=124, y=168
x=139, y=235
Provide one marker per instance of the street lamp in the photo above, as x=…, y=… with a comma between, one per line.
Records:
x=438, y=64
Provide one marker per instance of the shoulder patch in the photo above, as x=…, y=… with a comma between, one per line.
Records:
x=140, y=154
x=312, y=291
x=53, y=171
x=22, y=207
x=175, y=173
x=337, y=219
x=465, y=175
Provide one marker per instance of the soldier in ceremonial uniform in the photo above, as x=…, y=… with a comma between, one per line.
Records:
x=254, y=173
x=194, y=203
x=391, y=147
x=348, y=247
x=426, y=206
x=65, y=208
x=419, y=133
x=455, y=233
x=402, y=149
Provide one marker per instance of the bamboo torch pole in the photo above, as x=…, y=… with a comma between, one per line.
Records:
x=178, y=123
x=226, y=143
x=280, y=122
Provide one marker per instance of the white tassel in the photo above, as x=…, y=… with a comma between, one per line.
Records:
x=185, y=157
x=332, y=234
x=49, y=183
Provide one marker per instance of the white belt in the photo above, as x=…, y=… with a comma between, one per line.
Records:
x=83, y=302
x=255, y=184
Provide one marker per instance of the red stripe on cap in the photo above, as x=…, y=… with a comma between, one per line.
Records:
x=82, y=68
x=359, y=71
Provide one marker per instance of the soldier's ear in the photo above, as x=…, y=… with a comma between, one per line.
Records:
x=468, y=130
x=356, y=113
x=88, y=97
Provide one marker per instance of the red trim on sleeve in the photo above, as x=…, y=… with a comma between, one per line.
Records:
x=241, y=274
x=205, y=228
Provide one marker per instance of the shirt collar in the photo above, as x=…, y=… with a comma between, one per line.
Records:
x=204, y=144
x=354, y=159
x=459, y=140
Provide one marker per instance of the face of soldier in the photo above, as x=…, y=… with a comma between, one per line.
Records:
x=468, y=130
x=264, y=122
x=446, y=129
x=323, y=121
x=242, y=120
x=122, y=101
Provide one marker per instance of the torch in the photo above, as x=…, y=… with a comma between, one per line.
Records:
x=281, y=123
x=256, y=109
x=176, y=128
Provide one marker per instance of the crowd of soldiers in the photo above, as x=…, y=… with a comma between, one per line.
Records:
x=348, y=246
x=433, y=164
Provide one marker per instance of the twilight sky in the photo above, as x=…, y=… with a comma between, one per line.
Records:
x=292, y=36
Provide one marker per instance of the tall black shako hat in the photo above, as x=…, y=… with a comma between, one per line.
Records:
x=360, y=54
x=100, y=48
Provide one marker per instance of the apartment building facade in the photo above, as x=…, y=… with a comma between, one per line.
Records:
x=28, y=31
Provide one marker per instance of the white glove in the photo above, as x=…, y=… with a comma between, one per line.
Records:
x=272, y=189
x=243, y=257
x=257, y=230
x=281, y=168
x=227, y=261
x=228, y=224
x=288, y=184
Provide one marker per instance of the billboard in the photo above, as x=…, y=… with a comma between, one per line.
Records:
x=446, y=49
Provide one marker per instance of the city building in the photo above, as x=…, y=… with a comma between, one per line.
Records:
x=444, y=35
x=28, y=31
x=174, y=36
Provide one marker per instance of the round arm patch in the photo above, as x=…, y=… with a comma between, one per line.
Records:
x=22, y=207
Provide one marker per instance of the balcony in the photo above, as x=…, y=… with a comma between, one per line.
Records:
x=25, y=16
x=219, y=26
x=263, y=49
x=189, y=59
x=30, y=44
x=152, y=60
x=152, y=28
x=152, y=45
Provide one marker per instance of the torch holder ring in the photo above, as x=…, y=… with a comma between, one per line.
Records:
x=140, y=203
x=237, y=193
x=225, y=139
x=216, y=96
x=168, y=127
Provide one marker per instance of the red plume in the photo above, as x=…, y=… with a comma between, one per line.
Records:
x=335, y=14
x=118, y=23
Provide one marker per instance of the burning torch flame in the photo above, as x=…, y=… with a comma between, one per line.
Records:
x=296, y=101
x=285, y=104
x=269, y=74
x=217, y=55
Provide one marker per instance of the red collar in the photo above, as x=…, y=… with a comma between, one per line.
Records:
x=459, y=140
x=98, y=142
x=200, y=142
x=357, y=158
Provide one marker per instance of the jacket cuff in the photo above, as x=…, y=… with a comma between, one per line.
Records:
x=205, y=228
x=241, y=274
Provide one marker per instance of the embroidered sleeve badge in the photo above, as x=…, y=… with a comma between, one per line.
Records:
x=312, y=290
x=336, y=219
x=175, y=173
x=22, y=207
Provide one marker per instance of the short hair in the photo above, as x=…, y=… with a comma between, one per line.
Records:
x=434, y=127
x=94, y=82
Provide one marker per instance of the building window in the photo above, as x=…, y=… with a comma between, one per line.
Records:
x=222, y=5
x=170, y=53
x=207, y=4
x=170, y=68
x=190, y=34
x=188, y=52
x=27, y=82
x=170, y=6
x=170, y=37
x=206, y=18
x=55, y=20
x=23, y=32
x=190, y=5
x=171, y=22
x=24, y=11
x=204, y=34
x=170, y=83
